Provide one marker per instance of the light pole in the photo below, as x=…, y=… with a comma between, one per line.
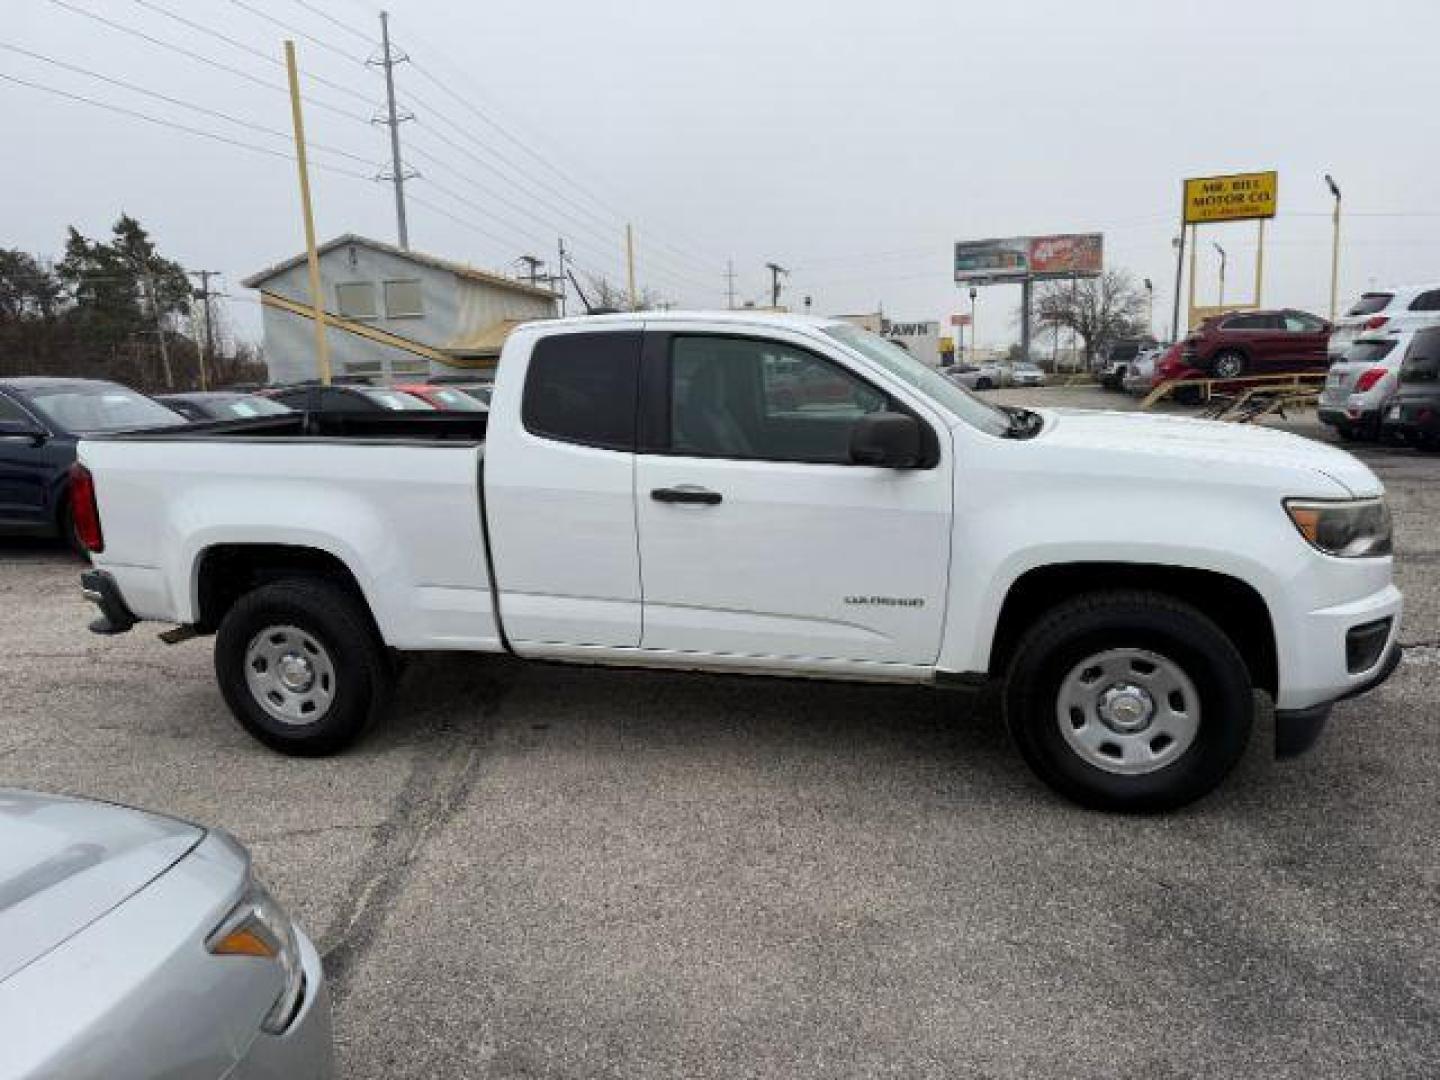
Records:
x=974, y=334
x=1335, y=247
x=1149, y=306
x=1221, y=250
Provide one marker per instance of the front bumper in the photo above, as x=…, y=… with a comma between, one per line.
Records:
x=304, y=1050
x=1296, y=730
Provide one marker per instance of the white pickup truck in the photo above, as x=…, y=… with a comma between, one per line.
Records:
x=771, y=495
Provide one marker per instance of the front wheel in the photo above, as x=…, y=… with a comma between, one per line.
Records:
x=301, y=666
x=1229, y=364
x=1129, y=701
x=983, y=384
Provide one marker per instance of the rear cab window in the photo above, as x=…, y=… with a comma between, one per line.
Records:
x=584, y=388
x=1371, y=302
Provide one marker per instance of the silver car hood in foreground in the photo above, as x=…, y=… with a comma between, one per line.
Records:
x=66, y=862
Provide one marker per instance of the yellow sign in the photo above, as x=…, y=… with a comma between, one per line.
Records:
x=1231, y=198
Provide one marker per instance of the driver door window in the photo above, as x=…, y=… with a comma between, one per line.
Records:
x=751, y=399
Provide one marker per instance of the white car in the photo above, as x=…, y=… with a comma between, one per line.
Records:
x=983, y=377
x=1024, y=374
x=1408, y=307
x=1129, y=579
x=1362, y=382
x=1140, y=374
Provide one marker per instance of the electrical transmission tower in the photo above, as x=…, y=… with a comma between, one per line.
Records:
x=393, y=118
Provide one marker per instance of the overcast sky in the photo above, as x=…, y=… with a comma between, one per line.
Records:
x=852, y=142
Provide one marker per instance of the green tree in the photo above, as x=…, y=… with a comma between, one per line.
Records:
x=122, y=288
x=28, y=288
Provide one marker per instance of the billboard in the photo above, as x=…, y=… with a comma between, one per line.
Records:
x=1238, y=197
x=1016, y=258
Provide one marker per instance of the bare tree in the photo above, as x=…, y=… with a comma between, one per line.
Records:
x=603, y=293
x=1099, y=309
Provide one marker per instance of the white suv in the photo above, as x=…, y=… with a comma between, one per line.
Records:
x=1408, y=307
x=1362, y=382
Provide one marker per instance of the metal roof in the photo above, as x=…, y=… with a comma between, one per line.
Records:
x=470, y=273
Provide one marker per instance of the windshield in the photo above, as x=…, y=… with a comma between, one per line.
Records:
x=243, y=408
x=948, y=394
x=1371, y=302
x=91, y=409
x=394, y=399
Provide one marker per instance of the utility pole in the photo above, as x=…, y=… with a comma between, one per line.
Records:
x=730, y=284
x=560, y=274
x=630, y=266
x=393, y=119
x=1216, y=245
x=207, y=351
x=1334, y=249
x=776, y=270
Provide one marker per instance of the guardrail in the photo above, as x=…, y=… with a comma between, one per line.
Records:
x=1296, y=389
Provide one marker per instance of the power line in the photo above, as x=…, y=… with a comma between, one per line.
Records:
x=200, y=58
x=198, y=132
x=339, y=24
x=291, y=28
x=240, y=121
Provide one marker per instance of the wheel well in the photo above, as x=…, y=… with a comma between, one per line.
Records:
x=1235, y=606
x=229, y=571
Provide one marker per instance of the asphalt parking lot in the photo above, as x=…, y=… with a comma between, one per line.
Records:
x=547, y=871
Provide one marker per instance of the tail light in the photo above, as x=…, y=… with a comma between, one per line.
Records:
x=1368, y=379
x=1375, y=322
x=84, y=511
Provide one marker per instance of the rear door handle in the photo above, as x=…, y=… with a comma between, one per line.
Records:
x=686, y=493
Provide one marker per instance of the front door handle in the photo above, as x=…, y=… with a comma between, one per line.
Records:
x=686, y=493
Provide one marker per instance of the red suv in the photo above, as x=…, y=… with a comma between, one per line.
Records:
x=1258, y=343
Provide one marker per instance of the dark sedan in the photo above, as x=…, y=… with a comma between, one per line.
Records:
x=41, y=420
x=1413, y=414
x=347, y=398
x=222, y=405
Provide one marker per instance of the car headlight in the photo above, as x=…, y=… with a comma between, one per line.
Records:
x=257, y=926
x=1350, y=528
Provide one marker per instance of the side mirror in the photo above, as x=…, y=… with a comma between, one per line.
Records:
x=22, y=431
x=889, y=440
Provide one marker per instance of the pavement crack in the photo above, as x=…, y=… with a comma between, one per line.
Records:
x=440, y=780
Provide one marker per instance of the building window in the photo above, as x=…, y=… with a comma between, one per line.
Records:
x=402, y=300
x=356, y=300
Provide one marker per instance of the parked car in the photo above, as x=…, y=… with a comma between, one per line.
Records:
x=1413, y=414
x=222, y=405
x=1140, y=374
x=1023, y=373
x=135, y=945
x=1408, y=307
x=1362, y=382
x=444, y=397
x=1116, y=362
x=41, y=420
x=975, y=377
x=1129, y=640
x=348, y=398
x=1258, y=343
x=479, y=388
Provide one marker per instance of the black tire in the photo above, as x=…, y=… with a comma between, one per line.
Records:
x=1229, y=364
x=1346, y=432
x=1082, y=628
x=983, y=384
x=361, y=678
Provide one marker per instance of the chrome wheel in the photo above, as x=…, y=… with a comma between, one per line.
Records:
x=290, y=674
x=1128, y=711
x=1229, y=366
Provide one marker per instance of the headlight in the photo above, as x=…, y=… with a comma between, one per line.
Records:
x=1350, y=528
x=258, y=926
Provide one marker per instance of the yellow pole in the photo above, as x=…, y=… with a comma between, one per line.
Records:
x=1260, y=264
x=317, y=298
x=630, y=265
x=1335, y=260
x=1194, y=245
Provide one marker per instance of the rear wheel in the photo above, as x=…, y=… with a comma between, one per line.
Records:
x=1346, y=432
x=1129, y=701
x=301, y=666
x=1229, y=364
x=983, y=384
